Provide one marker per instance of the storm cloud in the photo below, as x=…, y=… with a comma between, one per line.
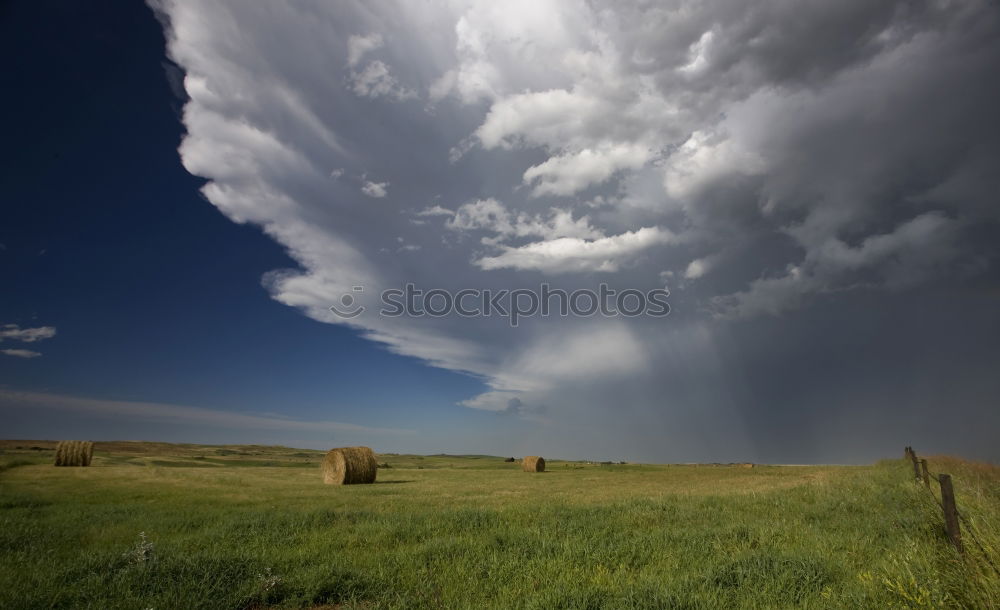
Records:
x=815, y=182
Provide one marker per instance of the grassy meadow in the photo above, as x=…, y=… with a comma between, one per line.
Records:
x=153, y=525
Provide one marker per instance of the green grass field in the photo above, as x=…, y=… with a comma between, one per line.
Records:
x=184, y=526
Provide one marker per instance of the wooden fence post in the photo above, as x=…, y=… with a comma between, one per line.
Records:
x=916, y=466
x=950, y=511
x=925, y=473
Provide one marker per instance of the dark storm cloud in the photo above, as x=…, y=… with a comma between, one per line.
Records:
x=765, y=160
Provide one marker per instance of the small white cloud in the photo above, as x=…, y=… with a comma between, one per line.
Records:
x=337, y=173
x=435, y=210
x=27, y=335
x=573, y=254
x=377, y=190
x=571, y=173
x=491, y=215
x=697, y=268
x=487, y=214
x=22, y=353
x=376, y=80
x=537, y=117
x=358, y=46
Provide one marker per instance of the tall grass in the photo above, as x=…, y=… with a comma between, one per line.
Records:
x=485, y=537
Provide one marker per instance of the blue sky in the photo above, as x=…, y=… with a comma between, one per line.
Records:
x=156, y=296
x=187, y=190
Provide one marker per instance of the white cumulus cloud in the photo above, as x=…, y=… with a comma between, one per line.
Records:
x=21, y=353
x=573, y=254
x=376, y=80
x=375, y=189
x=27, y=335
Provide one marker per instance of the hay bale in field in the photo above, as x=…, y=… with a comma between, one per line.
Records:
x=747, y=465
x=510, y=459
x=349, y=466
x=74, y=453
x=533, y=463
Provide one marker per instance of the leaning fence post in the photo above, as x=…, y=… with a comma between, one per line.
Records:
x=916, y=466
x=923, y=471
x=950, y=511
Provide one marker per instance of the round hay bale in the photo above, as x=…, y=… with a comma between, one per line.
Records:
x=74, y=453
x=533, y=463
x=349, y=466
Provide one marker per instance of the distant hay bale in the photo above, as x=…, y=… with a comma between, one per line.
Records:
x=74, y=453
x=349, y=466
x=533, y=463
x=510, y=459
x=747, y=465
